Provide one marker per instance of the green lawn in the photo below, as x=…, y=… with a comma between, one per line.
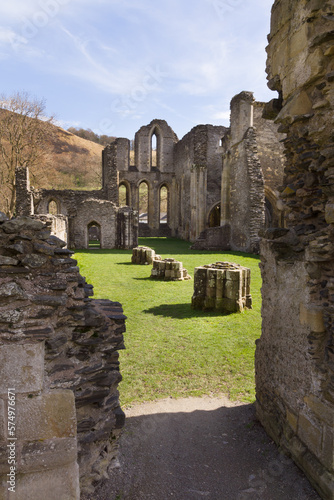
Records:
x=172, y=350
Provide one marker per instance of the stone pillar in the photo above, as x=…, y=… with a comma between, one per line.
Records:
x=24, y=199
x=241, y=115
x=222, y=286
x=198, y=187
x=110, y=162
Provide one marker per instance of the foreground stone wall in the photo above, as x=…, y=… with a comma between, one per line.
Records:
x=294, y=357
x=58, y=351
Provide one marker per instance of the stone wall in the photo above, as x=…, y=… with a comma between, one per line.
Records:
x=295, y=354
x=243, y=200
x=77, y=210
x=190, y=169
x=58, y=350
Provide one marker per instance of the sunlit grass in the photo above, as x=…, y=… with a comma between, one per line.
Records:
x=171, y=349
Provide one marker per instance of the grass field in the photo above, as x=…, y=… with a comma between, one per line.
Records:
x=171, y=349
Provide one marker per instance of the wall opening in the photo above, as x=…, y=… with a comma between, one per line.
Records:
x=163, y=199
x=155, y=148
x=269, y=213
x=143, y=202
x=123, y=195
x=53, y=208
x=214, y=216
x=94, y=235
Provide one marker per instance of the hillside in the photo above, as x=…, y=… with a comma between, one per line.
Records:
x=73, y=163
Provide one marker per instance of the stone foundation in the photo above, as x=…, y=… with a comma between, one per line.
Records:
x=223, y=287
x=58, y=350
x=169, y=270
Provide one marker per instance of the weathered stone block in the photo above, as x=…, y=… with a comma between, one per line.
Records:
x=12, y=290
x=48, y=454
x=143, y=255
x=312, y=317
x=3, y=432
x=60, y=483
x=22, y=367
x=47, y=416
x=324, y=411
x=310, y=433
x=169, y=270
x=292, y=419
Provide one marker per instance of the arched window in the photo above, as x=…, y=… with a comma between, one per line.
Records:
x=53, y=207
x=123, y=195
x=94, y=235
x=214, y=216
x=163, y=199
x=155, y=148
x=143, y=202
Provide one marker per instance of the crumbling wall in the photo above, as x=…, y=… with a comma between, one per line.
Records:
x=242, y=198
x=77, y=209
x=58, y=351
x=294, y=356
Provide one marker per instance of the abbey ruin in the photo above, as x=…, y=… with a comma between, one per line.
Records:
x=206, y=203
x=226, y=189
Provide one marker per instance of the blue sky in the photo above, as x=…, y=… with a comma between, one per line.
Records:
x=114, y=65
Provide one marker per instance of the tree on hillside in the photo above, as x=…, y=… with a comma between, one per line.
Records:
x=25, y=135
x=89, y=135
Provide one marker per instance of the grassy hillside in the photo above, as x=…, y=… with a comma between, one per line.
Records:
x=73, y=163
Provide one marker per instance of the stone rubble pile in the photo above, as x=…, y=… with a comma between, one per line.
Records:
x=143, y=255
x=169, y=270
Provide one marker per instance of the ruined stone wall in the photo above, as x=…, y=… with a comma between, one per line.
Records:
x=58, y=351
x=198, y=178
x=294, y=356
x=58, y=225
x=242, y=198
x=166, y=139
x=77, y=209
x=155, y=180
x=270, y=150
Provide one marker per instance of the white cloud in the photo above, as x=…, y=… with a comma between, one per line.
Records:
x=221, y=115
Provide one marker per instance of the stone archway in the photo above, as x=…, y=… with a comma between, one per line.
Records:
x=214, y=215
x=94, y=235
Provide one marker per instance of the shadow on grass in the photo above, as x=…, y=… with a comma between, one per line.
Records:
x=181, y=311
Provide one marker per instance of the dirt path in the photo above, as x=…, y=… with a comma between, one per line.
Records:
x=200, y=448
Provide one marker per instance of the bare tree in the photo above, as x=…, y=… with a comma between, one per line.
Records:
x=25, y=135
